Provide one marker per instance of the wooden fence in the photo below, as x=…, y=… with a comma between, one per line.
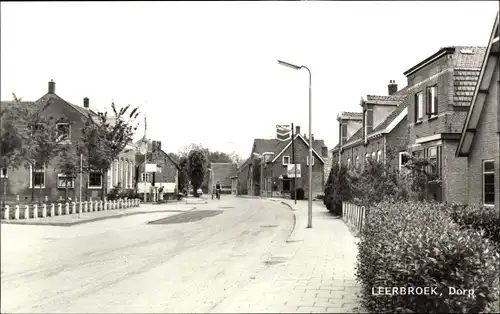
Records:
x=353, y=215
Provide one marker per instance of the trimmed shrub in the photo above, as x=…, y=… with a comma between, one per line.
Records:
x=300, y=194
x=484, y=219
x=337, y=189
x=418, y=245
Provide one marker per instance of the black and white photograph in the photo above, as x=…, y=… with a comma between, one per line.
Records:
x=250, y=157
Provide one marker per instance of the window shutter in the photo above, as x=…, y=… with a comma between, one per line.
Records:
x=435, y=109
x=428, y=109
x=415, y=107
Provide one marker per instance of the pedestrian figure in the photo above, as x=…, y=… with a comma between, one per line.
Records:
x=217, y=190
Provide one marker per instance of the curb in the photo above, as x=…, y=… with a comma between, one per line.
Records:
x=71, y=224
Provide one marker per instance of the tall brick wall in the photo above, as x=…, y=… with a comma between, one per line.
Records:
x=485, y=146
x=454, y=169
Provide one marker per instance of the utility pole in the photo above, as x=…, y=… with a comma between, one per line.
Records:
x=294, y=167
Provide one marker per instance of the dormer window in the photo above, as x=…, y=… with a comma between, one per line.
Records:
x=419, y=107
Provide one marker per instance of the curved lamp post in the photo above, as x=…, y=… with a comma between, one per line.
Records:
x=309, y=209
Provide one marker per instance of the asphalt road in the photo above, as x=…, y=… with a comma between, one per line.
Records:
x=189, y=264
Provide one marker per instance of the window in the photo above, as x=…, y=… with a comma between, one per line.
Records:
x=349, y=162
x=145, y=177
x=286, y=160
x=488, y=182
x=432, y=101
x=419, y=107
x=158, y=169
x=307, y=160
x=4, y=173
x=357, y=161
x=64, y=181
x=286, y=185
x=373, y=156
x=63, y=132
x=432, y=153
x=37, y=177
x=403, y=159
x=365, y=121
x=95, y=180
x=379, y=155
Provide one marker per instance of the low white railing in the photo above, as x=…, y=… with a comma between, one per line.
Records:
x=353, y=215
x=61, y=209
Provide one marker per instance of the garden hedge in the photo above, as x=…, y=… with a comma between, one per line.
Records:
x=410, y=244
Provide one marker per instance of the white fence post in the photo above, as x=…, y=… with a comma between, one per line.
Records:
x=101, y=205
x=26, y=212
x=6, y=212
x=44, y=210
x=66, y=209
x=91, y=208
x=73, y=208
x=52, y=210
x=59, y=209
x=16, y=213
x=97, y=206
x=35, y=211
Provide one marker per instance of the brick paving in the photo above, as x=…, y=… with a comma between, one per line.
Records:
x=314, y=272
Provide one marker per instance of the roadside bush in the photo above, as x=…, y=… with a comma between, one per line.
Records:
x=408, y=244
x=337, y=189
x=484, y=219
x=300, y=194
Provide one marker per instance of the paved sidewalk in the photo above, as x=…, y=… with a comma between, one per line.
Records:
x=86, y=217
x=313, y=273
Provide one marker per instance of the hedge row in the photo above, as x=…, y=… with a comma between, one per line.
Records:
x=409, y=244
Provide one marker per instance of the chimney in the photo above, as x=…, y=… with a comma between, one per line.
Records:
x=297, y=129
x=52, y=87
x=305, y=136
x=393, y=87
x=85, y=102
x=312, y=137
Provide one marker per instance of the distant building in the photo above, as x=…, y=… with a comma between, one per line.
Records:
x=223, y=173
x=268, y=176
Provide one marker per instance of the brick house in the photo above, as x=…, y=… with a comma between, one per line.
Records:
x=381, y=124
x=277, y=154
x=440, y=90
x=48, y=178
x=243, y=181
x=167, y=170
x=480, y=138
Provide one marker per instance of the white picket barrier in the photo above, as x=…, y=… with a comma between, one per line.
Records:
x=16, y=213
x=26, y=212
x=44, y=210
x=35, y=211
x=52, y=210
x=59, y=209
x=66, y=209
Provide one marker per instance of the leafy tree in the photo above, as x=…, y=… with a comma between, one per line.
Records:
x=104, y=138
x=218, y=156
x=183, y=174
x=69, y=166
x=198, y=165
x=44, y=143
x=13, y=137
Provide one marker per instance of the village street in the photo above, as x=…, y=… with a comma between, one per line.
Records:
x=128, y=265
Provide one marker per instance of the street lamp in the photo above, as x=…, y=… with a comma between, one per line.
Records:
x=309, y=209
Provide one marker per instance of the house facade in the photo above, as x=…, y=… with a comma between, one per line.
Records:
x=440, y=90
x=369, y=135
x=166, y=175
x=265, y=172
x=480, y=137
x=47, y=181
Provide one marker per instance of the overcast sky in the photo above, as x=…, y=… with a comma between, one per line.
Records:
x=207, y=72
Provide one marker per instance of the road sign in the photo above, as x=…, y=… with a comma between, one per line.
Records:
x=150, y=167
x=290, y=170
